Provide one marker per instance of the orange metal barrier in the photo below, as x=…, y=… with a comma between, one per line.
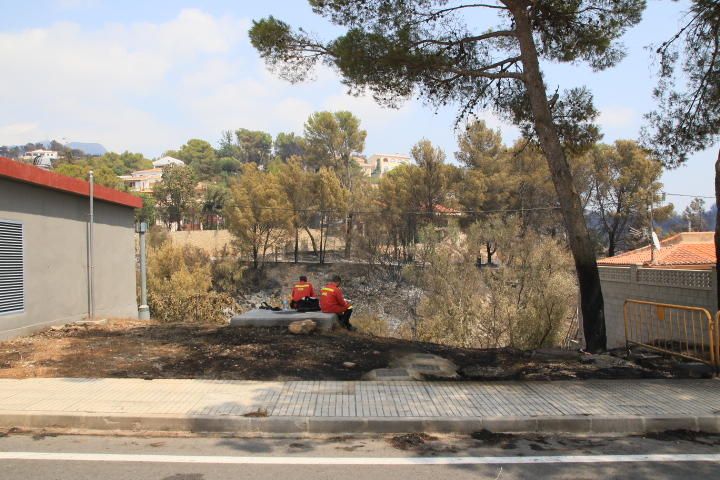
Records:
x=688, y=332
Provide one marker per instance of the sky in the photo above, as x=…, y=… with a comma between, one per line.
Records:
x=146, y=76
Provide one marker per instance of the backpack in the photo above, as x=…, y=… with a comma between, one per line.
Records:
x=308, y=304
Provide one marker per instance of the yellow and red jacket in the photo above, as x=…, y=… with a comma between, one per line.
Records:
x=301, y=290
x=332, y=299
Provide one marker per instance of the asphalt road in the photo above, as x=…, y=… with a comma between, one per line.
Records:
x=48, y=457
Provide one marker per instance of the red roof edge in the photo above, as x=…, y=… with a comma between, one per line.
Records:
x=22, y=172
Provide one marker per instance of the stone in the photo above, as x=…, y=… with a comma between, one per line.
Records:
x=349, y=364
x=425, y=364
x=267, y=318
x=692, y=370
x=302, y=327
x=389, y=374
x=490, y=372
x=556, y=354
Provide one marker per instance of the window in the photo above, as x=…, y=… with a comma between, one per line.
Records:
x=12, y=288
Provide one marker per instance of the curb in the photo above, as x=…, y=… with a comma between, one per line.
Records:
x=584, y=424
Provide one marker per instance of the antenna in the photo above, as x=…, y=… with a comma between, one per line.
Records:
x=656, y=241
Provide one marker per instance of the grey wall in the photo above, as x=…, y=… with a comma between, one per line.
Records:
x=55, y=250
x=694, y=288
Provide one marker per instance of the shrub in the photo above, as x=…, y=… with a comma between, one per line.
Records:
x=179, y=283
x=371, y=324
x=227, y=274
x=524, y=303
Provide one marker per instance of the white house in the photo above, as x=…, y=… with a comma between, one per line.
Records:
x=379, y=164
x=41, y=158
x=384, y=162
x=143, y=180
x=166, y=160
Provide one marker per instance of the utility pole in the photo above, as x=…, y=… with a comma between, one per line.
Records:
x=90, y=260
x=143, y=309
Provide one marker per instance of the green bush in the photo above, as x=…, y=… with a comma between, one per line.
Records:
x=179, y=286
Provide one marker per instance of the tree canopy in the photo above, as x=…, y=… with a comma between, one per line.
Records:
x=430, y=48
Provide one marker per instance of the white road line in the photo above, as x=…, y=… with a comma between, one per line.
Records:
x=260, y=460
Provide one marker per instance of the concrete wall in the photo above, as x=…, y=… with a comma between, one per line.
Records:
x=695, y=288
x=55, y=250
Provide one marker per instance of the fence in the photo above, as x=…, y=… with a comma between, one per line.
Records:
x=688, y=332
x=695, y=288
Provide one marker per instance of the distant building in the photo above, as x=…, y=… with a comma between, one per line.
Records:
x=142, y=181
x=379, y=164
x=41, y=158
x=166, y=160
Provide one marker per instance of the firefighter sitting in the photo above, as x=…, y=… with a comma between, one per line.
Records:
x=301, y=290
x=333, y=301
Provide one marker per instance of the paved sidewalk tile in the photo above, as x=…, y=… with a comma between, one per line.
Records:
x=403, y=399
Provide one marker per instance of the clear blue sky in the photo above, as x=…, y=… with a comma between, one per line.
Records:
x=148, y=75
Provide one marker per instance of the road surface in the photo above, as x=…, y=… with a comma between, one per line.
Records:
x=45, y=456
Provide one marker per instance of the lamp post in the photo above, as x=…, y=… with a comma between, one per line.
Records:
x=143, y=309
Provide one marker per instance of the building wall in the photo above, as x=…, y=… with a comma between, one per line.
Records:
x=55, y=256
x=694, y=288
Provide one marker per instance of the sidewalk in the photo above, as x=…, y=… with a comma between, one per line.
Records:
x=601, y=406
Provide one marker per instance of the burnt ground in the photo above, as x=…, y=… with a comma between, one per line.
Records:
x=135, y=349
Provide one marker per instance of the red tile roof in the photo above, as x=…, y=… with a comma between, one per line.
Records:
x=22, y=172
x=689, y=249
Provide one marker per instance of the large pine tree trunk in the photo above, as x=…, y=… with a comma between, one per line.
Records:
x=717, y=222
x=591, y=298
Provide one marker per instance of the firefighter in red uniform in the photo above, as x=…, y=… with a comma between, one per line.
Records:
x=300, y=290
x=333, y=301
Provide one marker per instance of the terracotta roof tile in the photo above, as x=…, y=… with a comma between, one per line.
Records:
x=685, y=249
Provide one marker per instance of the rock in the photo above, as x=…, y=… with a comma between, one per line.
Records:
x=302, y=327
x=487, y=372
x=389, y=374
x=556, y=354
x=692, y=370
x=349, y=364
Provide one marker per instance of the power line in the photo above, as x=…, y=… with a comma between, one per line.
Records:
x=687, y=195
x=412, y=212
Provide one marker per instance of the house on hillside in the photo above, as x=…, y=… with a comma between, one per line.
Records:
x=142, y=181
x=379, y=164
x=45, y=267
x=40, y=157
x=166, y=161
x=681, y=272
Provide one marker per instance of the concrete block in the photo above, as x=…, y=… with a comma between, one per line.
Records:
x=662, y=423
x=395, y=425
x=279, y=424
x=337, y=425
x=616, y=424
x=268, y=318
x=510, y=424
x=709, y=424
x=569, y=424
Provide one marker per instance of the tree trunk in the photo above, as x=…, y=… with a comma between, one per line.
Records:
x=312, y=241
x=348, y=234
x=591, y=299
x=297, y=241
x=717, y=223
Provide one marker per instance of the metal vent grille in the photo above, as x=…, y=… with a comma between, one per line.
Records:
x=12, y=288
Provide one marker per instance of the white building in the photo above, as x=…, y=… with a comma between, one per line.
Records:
x=166, y=160
x=379, y=164
x=142, y=180
x=41, y=158
x=384, y=162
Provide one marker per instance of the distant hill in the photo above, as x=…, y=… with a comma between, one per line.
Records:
x=88, y=148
